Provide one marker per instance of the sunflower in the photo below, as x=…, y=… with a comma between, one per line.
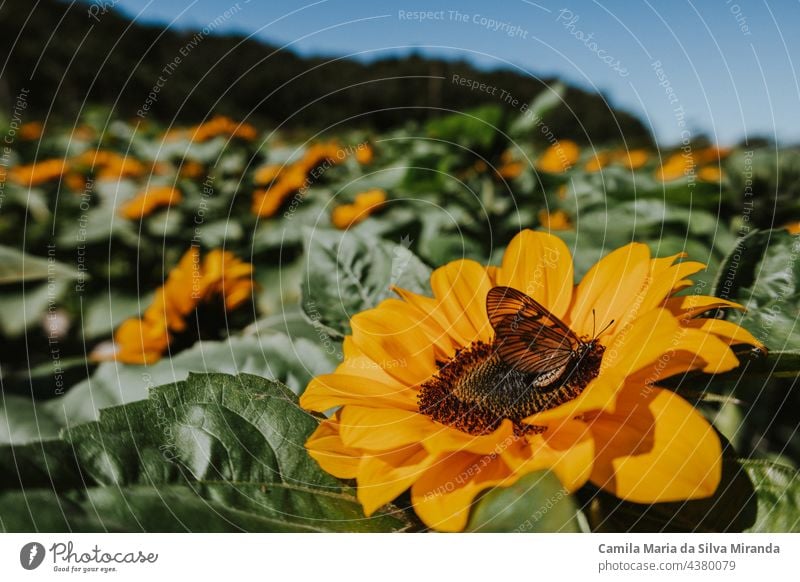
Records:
x=421, y=400
x=193, y=281
x=365, y=203
x=631, y=159
x=223, y=126
x=39, y=172
x=559, y=157
x=556, y=220
x=150, y=200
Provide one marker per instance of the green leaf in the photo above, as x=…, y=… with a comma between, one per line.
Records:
x=537, y=502
x=346, y=274
x=270, y=355
x=212, y=453
x=777, y=488
x=24, y=420
x=16, y=266
x=763, y=274
x=476, y=129
x=26, y=308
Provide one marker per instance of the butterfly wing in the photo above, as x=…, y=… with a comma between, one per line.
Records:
x=529, y=337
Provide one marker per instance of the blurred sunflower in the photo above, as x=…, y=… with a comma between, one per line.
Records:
x=681, y=164
x=631, y=159
x=220, y=275
x=150, y=200
x=365, y=203
x=285, y=181
x=222, y=126
x=423, y=402
x=364, y=154
x=39, y=172
x=559, y=157
x=110, y=165
x=556, y=220
x=31, y=130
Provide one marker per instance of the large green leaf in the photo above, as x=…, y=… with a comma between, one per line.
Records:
x=346, y=274
x=212, y=453
x=16, y=266
x=778, y=491
x=23, y=420
x=762, y=273
x=271, y=355
x=537, y=502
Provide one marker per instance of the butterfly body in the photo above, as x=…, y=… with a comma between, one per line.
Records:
x=533, y=341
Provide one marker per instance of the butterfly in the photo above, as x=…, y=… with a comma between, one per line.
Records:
x=533, y=341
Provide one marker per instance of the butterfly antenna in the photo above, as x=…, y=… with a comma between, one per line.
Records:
x=602, y=331
x=594, y=323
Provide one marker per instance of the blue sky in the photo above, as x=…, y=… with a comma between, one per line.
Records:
x=728, y=68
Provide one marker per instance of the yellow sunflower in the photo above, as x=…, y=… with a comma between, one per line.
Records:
x=423, y=401
x=219, y=275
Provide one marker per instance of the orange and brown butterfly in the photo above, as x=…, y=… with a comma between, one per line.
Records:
x=533, y=341
x=535, y=362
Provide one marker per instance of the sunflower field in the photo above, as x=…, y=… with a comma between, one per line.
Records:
x=467, y=324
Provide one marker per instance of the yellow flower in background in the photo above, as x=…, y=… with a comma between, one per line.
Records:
x=509, y=167
x=631, y=159
x=140, y=341
x=83, y=133
x=227, y=276
x=710, y=174
x=365, y=203
x=559, y=157
x=191, y=169
x=792, y=227
x=364, y=154
x=598, y=162
x=634, y=159
x=681, y=164
x=266, y=174
x=39, y=172
x=424, y=400
x=31, y=130
x=150, y=200
x=74, y=182
x=220, y=275
x=285, y=181
x=557, y=220
x=674, y=168
x=219, y=126
x=108, y=165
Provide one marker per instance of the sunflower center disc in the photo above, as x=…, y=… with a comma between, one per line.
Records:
x=475, y=390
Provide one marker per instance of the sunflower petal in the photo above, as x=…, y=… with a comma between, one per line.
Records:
x=461, y=288
x=566, y=449
x=383, y=429
x=332, y=390
x=727, y=330
x=404, y=352
x=326, y=447
x=444, y=494
x=539, y=265
x=656, y=448
x=611, y=289
x=687, y=306
x=384, y=476
x=656, y=338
